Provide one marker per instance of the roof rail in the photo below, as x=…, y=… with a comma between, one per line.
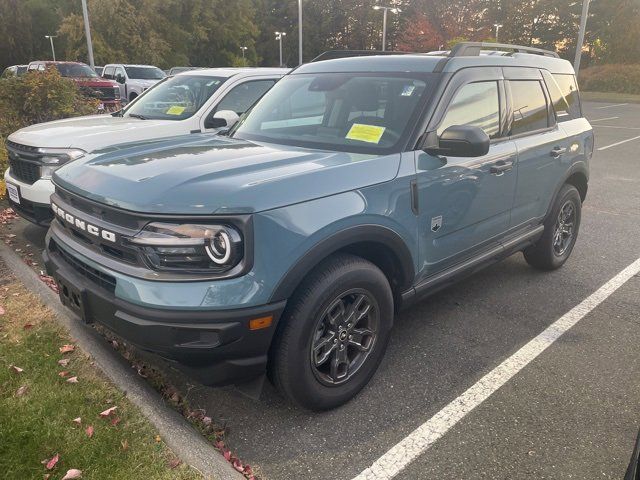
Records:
x=473, y=49
x=332, y=54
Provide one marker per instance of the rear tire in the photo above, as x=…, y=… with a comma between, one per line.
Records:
x=333, y=333
x=561, y=228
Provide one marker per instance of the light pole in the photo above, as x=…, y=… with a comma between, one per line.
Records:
x=87, y=32
x=279, y=36
x=53, y=50
x=299, y=32
x=498, y=27
x=384, y=21
x=581, y=32
x=243, y=50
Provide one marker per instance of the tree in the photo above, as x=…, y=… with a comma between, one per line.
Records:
x=419, y=35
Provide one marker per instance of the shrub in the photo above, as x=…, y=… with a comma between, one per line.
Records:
x=35, y=98
x=611, y=78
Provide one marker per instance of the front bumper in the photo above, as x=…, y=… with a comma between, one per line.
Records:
x=216, y=347
x=34, y=203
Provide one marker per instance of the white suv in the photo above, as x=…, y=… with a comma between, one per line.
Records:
x=190, y=102
x=133, y=79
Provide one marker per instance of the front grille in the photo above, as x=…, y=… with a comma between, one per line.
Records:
x=22, y=148
x=104, y=280
x=23, y=170
x=102, y=93
x=24, y=161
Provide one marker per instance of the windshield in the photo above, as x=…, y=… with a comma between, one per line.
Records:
x=145, y=73
x=355, y=112
x=176, y=98
x=75, y=70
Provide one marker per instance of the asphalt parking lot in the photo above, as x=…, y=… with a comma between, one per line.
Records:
x=572, y=412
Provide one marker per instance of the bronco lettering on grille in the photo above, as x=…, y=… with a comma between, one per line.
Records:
x=81, y=224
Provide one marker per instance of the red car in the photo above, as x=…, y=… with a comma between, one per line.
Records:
x=107, y=91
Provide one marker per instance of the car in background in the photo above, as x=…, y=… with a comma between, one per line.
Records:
x=176, y=70
x=14, y=71
x=133, y=79
x=98, y=70
x=199, y=101
x=89, y=82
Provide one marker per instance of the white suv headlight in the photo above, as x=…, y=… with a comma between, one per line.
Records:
x=54, y=158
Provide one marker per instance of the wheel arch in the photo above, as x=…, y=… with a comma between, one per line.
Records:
x=375, y=243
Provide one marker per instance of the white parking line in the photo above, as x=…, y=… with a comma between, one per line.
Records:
x=611, y=106
x=618, y=143
x=423, y=437
x=603, y=119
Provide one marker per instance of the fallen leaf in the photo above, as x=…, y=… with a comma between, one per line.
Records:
x=125, y=444
x=2, y=311
x=107, y=412
x=46, y=476
x=63, y=362
x=27, y=326
x=206, y=420
x=158, y=439
x=67, y=348
x=73, y=473
x=16, y=369
x=21, y=391
x=237, y=464
x=174, y=463
x=115, y=421
x=63, y=373
x=52, y=462
x=72, y=380
x=77, y=420
x=227, y=455
x=89, y=431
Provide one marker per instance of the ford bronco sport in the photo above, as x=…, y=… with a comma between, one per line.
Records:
x=352, y=188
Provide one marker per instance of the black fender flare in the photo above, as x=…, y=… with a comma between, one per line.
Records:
x=370, y=233
x=578, y=167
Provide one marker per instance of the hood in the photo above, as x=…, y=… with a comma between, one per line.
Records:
x=142, y=82
x=206, y=174
x=94, y=82
x=92, y=132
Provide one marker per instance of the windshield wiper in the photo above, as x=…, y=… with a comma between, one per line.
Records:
x=137, y=115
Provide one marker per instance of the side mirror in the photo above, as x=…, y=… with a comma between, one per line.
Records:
x=221, y=119
x=120, y=78
x=459, y=141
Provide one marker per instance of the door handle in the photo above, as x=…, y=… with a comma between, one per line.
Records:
x=558, y=152
x=500, y=167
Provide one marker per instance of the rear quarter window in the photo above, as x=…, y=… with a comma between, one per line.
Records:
x=563, y=89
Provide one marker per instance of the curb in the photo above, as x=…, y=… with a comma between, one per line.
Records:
x=176, y=432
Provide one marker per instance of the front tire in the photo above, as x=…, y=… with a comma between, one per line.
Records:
x=561, y=228
x=333, y=334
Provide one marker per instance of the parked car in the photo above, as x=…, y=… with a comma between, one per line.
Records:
x=14, y=71
x=175, y=70
x=98, y=70
x=353, y=188
x=182, y=104
x=133, y=79
x=89, y=82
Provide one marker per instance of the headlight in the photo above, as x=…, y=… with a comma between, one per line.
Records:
x=190, y=247
x=54, y=158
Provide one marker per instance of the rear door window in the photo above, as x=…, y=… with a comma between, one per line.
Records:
x=475, y=104
x=530, y=111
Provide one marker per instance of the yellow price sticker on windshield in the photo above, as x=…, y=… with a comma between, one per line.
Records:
x=175, y=110
x=365, y=133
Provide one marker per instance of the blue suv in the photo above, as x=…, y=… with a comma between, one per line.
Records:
x=354, y=187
